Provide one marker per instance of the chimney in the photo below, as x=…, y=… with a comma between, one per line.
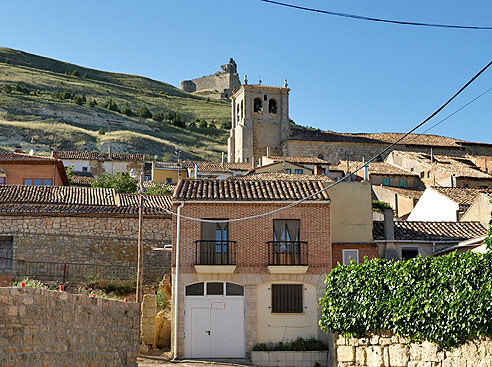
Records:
x=432, y=156
x=268, y=152
x=109, y=151
x=222, y=158
x=18, y=149
x=317, y=170
x=196, y=171
x=389, y=225
x=366, y=170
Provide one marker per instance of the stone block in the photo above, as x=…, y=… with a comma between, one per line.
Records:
x=360, y=356
x=374, y=356
x=345, y=353
x=398, y=355
x=429, y=352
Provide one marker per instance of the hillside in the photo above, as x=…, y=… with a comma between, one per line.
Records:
x=49, y=104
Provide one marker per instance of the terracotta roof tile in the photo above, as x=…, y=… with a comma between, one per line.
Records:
x=168, y=165
x=407, y=192
x=247, y=190
x=207, y=166
x=300, y=160
x=377, y=168
x=76, y=200
x=99, y=156
x=234, y=166
x=81, y=178
x=281, y=176
x=461, y=195
x=431, y=231
x=14, y=156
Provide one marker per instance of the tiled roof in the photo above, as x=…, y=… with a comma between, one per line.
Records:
x=168, y=165
x=234, y=166
x=14, y=156
x=76, y=200
x=300, y=160
x=412, y=139
x=281, y=176
x=245, y=190
x=377, y=168
x=459, y=167
x=431, y=231
x=81, y=178
x=99, y=156
x=461, y=195
x=204, y=166
x=409, y=193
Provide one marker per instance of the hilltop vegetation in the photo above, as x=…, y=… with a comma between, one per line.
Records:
x=48, y=104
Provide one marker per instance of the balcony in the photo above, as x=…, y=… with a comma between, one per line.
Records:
x=287, y=257
x=215, y=256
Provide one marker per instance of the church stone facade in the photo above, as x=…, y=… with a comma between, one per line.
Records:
x=261, y=127
x=221, y=85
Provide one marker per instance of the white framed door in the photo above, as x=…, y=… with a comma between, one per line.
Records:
x=214, y=326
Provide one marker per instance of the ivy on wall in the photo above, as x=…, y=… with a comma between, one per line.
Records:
x=445, y=300
x=488, y=239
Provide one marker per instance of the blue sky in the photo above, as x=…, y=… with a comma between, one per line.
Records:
x=346, y=75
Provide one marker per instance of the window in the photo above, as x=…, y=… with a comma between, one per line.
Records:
x=265, y=98
x=234, y=289
x=27, y=181
x=409, y=252
x=85, y=169
x=286, y=229
x=428, y=174
x=288, y=170
x=6, y=246
x=482, y=187
x=386, y=181
x=214, y=244
x=215, y=289
x=422, y=174
x=321, y=156
x=147, y=178
x=286, y=248
x=402, y=182
x=257, y=105
x=196, y=289
x=323, y=171
x=168, y=180
x=350, y=256
x=272, y=106
x=47, y=182
x=242, y=113
x=287, y=298
x=465, y=186
x=298, y=171
x=37, y=181
x=2, y=180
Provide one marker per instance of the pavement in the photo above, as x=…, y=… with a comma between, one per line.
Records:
x=163, y=361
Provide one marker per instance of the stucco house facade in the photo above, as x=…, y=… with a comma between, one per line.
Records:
x=252, y=281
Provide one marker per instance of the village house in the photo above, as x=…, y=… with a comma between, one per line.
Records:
x=80, y=225
x=17, y=168
x=445, y=203
x=101, y=163
x=167, y=172
x=442, y=170
x=403, y=240
x=252, y=281
x=480, y=209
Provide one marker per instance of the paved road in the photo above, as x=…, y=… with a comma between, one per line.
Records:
x=163, y=362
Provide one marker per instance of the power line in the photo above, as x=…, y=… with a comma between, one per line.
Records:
x=380, y=20
x=298, y=202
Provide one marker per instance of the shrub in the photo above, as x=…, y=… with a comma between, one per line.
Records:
x=298, y=345
x=116, y=286
x=7, y=89
x=161, y=300
x=92, y=102
x=158, y=189
x=78, y=100
x=75, y=73
x=203, y=124
x=127, y=110
x=159, y=117
x=444, y=300
x=488, y=239
x=101, y=131
x=20, y=88
x=144, y=112
x=226, y=125
x=111, y=105
x=121, y=182
x=380, y=205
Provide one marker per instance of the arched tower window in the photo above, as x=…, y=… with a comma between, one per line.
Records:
x=272, y=106
x=257, y=105
x=237, y=112
x=321, y=156
x=242, y=113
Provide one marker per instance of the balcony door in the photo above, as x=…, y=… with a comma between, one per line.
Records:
x=286, y=246
x=214, y=246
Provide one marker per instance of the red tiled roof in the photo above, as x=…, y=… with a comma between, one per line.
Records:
x=245, y=190
x=205, y=166
x=76, y=200
x=280, y=176
x=461, y=195
x=99, y=156
x=377, y=168
x=431, y=231
x=81, y=178
x=300, y=160
x=235, y=166
x=407, y=192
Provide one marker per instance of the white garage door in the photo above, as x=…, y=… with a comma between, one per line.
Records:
x=214, y=320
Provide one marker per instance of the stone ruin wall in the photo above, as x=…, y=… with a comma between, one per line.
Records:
x=40, y=327
x=386, y=350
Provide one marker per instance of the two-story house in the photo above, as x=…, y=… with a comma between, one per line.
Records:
x=246, y=271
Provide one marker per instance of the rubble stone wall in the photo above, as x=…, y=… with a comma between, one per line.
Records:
x=386, y=350
x=39, y=327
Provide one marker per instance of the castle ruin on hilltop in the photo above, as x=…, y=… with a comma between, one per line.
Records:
x=220, y=85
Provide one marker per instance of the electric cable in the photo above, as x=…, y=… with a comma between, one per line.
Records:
x=298, y=202
x=380, y=20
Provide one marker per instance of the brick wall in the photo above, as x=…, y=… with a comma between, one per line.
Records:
x=368, y=250
x=47, y=328
x=16, y=173
x=88, y=239
x=251, y=236
x=385, y=349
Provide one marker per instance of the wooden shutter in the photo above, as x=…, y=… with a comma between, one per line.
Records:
x=287, y=298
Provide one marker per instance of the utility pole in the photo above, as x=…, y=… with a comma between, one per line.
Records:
x=140, y=264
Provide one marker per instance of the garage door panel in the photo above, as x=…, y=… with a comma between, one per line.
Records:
x=200, y=333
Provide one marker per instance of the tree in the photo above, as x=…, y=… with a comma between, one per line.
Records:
x=127, y=110
x=226, y=125
x=158, y=189
x=159, y=116
x=69, y=171
x=144, y=112
x=75, y=73
x=7, y=88
x=121, y=182
x=203, y=124
x=101, y=131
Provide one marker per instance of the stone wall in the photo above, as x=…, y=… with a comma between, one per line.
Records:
x=89, y=240
x=386, y=350
x=47, y=328
x=289, y=359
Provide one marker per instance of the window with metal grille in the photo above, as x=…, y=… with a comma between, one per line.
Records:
x=6, y=247
x=287, y=298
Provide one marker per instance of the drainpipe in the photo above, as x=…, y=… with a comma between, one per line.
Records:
x=176, y=276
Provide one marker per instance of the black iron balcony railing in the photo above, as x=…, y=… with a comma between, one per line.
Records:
x=287, y=253
x=215, y=252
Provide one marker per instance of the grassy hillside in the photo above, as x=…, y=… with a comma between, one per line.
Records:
x=48, y=104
